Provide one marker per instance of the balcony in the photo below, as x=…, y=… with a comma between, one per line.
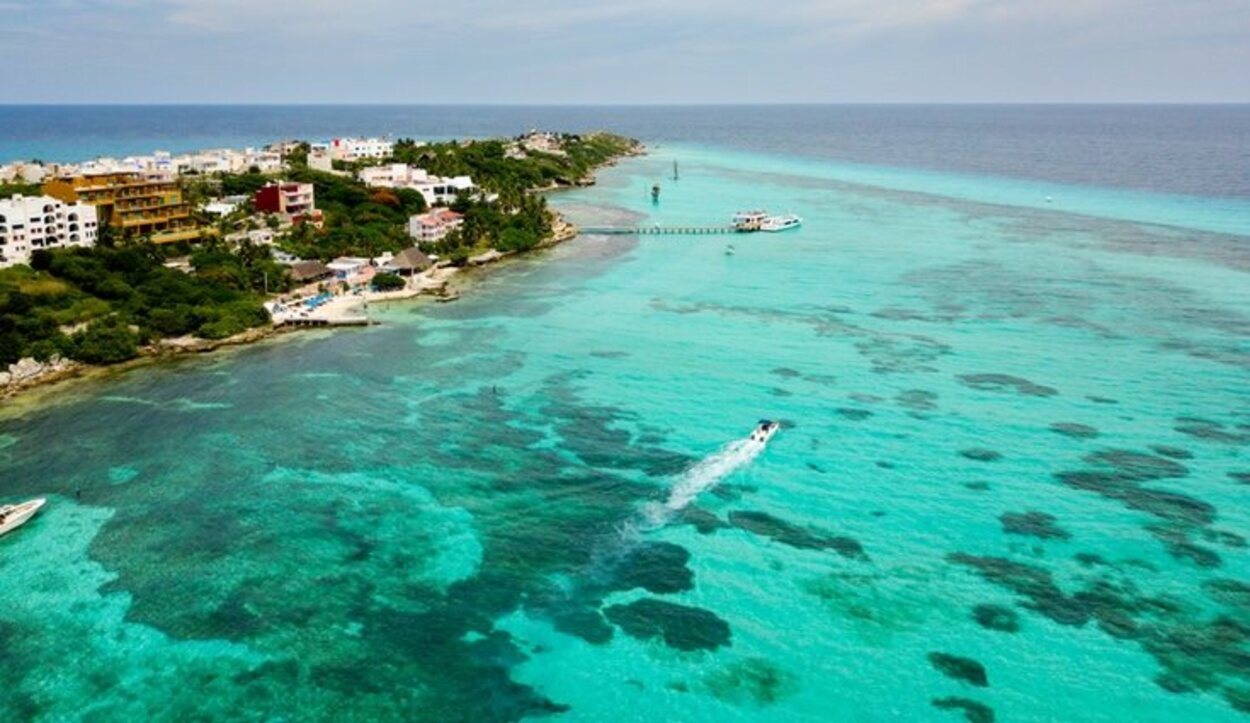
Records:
x=174, y=235
x=149, y=216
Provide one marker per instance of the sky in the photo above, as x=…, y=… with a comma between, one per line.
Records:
x=636, y=51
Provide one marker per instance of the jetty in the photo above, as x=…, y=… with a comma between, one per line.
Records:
x=659, y=230
x=323, y=310
x=324, y=321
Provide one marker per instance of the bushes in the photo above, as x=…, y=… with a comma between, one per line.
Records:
x=388, y=282
x=125, y=296
x=230, y=319
x=106, y=341
x=20, y=188
x=517, y=239
x=246, y=184
x=177, y=320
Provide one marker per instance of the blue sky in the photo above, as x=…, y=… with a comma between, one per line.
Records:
x=642, y=51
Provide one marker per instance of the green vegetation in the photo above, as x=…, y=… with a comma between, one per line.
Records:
x=241, y=267
x=359, y=221
x=517, y=220
x=388, y=282
x=242, y=184
x=18, y=188
x=496, y=225
x=492, y=168
x=99, y=305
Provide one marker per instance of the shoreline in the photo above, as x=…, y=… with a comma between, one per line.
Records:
x=24, y=394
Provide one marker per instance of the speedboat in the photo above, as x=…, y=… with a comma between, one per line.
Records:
x=765, y=430
x=14, y=516
x=781, y=223
x=747, y=221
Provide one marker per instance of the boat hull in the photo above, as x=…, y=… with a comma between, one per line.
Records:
x=764, y=431
x=17, y=515
x=777, y=224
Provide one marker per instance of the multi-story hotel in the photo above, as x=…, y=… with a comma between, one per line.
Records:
x=28, y=224
x=131, y=203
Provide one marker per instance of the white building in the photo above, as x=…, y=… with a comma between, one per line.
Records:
x=354, y=149
x=23, y=173
x=543, y=142
x=319, y=158
x=256, y=237
x=346, y=267
x=434, y=226
x=283, y=257
x=437, y=191
x=224, y=206
x=165, y=164
x=28, y=224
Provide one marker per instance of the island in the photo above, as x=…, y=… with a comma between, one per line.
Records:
x=191, y=253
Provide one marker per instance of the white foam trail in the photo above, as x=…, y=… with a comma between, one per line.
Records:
x=700, y=478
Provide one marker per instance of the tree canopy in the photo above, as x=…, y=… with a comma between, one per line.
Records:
x=98, y=305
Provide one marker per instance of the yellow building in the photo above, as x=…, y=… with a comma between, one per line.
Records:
x=130, y=203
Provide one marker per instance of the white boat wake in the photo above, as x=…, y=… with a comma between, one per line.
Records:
x=700, y=478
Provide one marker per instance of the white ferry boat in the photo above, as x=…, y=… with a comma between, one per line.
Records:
x=781, y=223
x=14, y=516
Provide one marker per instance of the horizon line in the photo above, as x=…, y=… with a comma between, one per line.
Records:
x=623, y=104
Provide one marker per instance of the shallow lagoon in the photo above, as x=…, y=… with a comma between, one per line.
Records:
x=440, y=517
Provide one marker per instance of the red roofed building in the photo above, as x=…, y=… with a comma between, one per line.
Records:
x=434, y=226
x=296, y=201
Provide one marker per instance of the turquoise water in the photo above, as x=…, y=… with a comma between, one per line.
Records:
x=1012, y=478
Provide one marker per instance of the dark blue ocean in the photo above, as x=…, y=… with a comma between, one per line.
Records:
x=1195, y=150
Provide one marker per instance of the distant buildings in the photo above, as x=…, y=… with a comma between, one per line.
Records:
x=133, y=203
x=319, y=159
x=23, y=173
x=437, y=191
x=28, y=224
x=296, y=201
x=351, y=150
x=159, y=163
x=537, y=142
x=434, y=226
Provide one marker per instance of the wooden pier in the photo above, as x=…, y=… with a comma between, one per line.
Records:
x=658, y=230
x=325, y=321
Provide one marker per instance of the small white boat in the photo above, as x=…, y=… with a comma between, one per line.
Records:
x=729, y=250
x=764, y=431
x=14, y=516
x=781, y=223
